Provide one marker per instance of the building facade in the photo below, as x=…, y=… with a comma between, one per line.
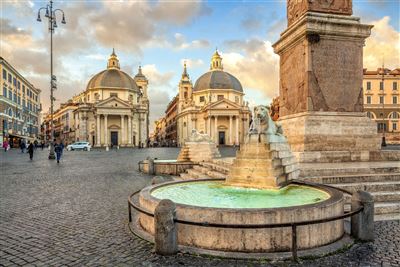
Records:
x=214, y=105
x=19, y=106
x=112, y=111
x=170, y=121
x=382, y=101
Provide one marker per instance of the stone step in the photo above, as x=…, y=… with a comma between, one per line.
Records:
x=216, y=167
x=357, y=178
x=370, y=186
x=201, y=169
x=387, y=217
x=382, y=207
x=337, y=169
x=195, y=174
x=186, y=176
x=386, y=196
x=215, y=174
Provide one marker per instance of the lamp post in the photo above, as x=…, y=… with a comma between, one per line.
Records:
x=383, y=106
x=52, y=21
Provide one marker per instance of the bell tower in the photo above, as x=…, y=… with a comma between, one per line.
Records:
x=113, y=62
x=216, y=61
x=185, y=89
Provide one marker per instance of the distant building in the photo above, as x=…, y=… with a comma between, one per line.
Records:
x=170, y=121
x=382, y=101
x=19, y=106
x=112, y=111
x=214, y=105
x=159, y=135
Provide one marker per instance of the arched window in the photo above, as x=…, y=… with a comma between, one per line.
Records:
x=371, y=115
x=394, y=115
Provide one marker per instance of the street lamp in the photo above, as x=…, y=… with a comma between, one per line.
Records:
x=52, y=22
x=383, y=106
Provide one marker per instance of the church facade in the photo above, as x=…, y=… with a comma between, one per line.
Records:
x=214, y=105
x=114, y=108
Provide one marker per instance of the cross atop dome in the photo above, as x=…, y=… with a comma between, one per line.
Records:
x=216, y=61
x=113, y=62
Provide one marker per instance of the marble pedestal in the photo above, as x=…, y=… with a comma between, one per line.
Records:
x=331, y=136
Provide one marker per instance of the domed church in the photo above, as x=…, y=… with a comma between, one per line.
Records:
x=114, y=108
x=214, y=105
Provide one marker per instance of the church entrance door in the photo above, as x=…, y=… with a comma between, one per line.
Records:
x=114, y=138
x=221, y=138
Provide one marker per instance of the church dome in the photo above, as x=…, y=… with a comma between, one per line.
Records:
x=112, y=77
x=217, y=78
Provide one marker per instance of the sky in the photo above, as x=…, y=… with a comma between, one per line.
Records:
x=161, y=35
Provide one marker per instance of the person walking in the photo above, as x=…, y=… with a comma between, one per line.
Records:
x=58, y=149
x=22, y=146
x=5, y=145
x=42, y=145
x=31, y=148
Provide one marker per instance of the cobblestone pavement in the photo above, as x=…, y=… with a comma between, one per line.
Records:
x=75, y=214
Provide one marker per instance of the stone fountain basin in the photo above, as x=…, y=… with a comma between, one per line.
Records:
x=251, y=240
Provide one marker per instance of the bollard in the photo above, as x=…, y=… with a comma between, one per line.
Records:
x=362, y=223
x=165, y=231
x=151, y=166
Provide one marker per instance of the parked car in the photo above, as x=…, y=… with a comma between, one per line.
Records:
x=79, y=145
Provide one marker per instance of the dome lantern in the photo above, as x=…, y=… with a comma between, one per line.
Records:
x=216, y=61
x=113, y=62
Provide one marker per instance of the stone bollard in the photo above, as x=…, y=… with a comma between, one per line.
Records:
x=165, y=234
x=362, y=223
x=151, y=166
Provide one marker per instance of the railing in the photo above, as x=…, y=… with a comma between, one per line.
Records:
x=293, y=225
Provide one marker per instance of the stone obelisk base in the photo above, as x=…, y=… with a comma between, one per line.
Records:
x=324, y=137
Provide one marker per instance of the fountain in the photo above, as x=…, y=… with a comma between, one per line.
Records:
x=197, y=148
x=259, y=189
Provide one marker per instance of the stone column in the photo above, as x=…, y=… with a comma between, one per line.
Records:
x=362, y=224
x=216, y=129
x=237, y=130
x=129, y=130
x=209, y=126
x=98, y=136
x=105, y=130
x=123, y=141
x=230, y=130
x=165, y=230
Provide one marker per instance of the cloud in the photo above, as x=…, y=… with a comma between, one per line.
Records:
x=251, y=24
x=157, y=78
x=383, y=44
x=192, y=63
x=254, y=63
x=181, y=43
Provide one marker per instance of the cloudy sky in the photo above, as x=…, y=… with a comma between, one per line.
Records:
x=161, y=35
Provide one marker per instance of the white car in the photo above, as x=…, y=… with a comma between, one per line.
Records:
x=79, y=145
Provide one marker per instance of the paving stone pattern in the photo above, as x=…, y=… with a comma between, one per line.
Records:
x=75, y=214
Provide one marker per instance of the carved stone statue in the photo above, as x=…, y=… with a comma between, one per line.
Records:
x=195, y=136
x=263, y=123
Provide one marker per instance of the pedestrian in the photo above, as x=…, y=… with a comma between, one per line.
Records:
x=31, y=148
x=22, y=146
x=58, y=150
x=42, y=145
x=36, y=144
x=5, y=145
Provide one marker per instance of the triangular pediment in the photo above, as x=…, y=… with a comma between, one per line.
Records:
x=222, y=104
x=112, y=102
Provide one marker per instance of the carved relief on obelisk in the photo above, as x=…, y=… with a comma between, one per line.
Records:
x=296, y=8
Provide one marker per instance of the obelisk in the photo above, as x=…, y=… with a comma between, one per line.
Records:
x=321, y=72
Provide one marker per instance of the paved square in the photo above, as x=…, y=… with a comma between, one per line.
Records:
x=75, y=214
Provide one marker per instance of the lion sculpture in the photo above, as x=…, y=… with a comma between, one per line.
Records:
x=195, y=136
x=263, y=123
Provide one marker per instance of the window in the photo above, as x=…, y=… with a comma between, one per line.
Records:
x=10, y=94
x=381, y=126
x=381, y=100
x=15, y=81
x=23, y=102
x=19, y=100
x=23, y=89
x=394, y=115
x=370, y=115
x=236, y=99
x=368, y=99
x=18, y=85
x=4, y=74
x=15, y=97
x=185, y=94
x=381, y=86
x=394, y=85
x=381, y=115
x=9, y=78
x=368, y=85
x=220, y=97
x=113, y=94
x=394, y=126
x=394, y=99
x=5, y=91
x=202, y=99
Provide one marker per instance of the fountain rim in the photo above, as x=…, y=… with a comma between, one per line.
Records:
x=334, y=196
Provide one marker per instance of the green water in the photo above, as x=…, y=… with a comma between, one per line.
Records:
x=218, y=195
